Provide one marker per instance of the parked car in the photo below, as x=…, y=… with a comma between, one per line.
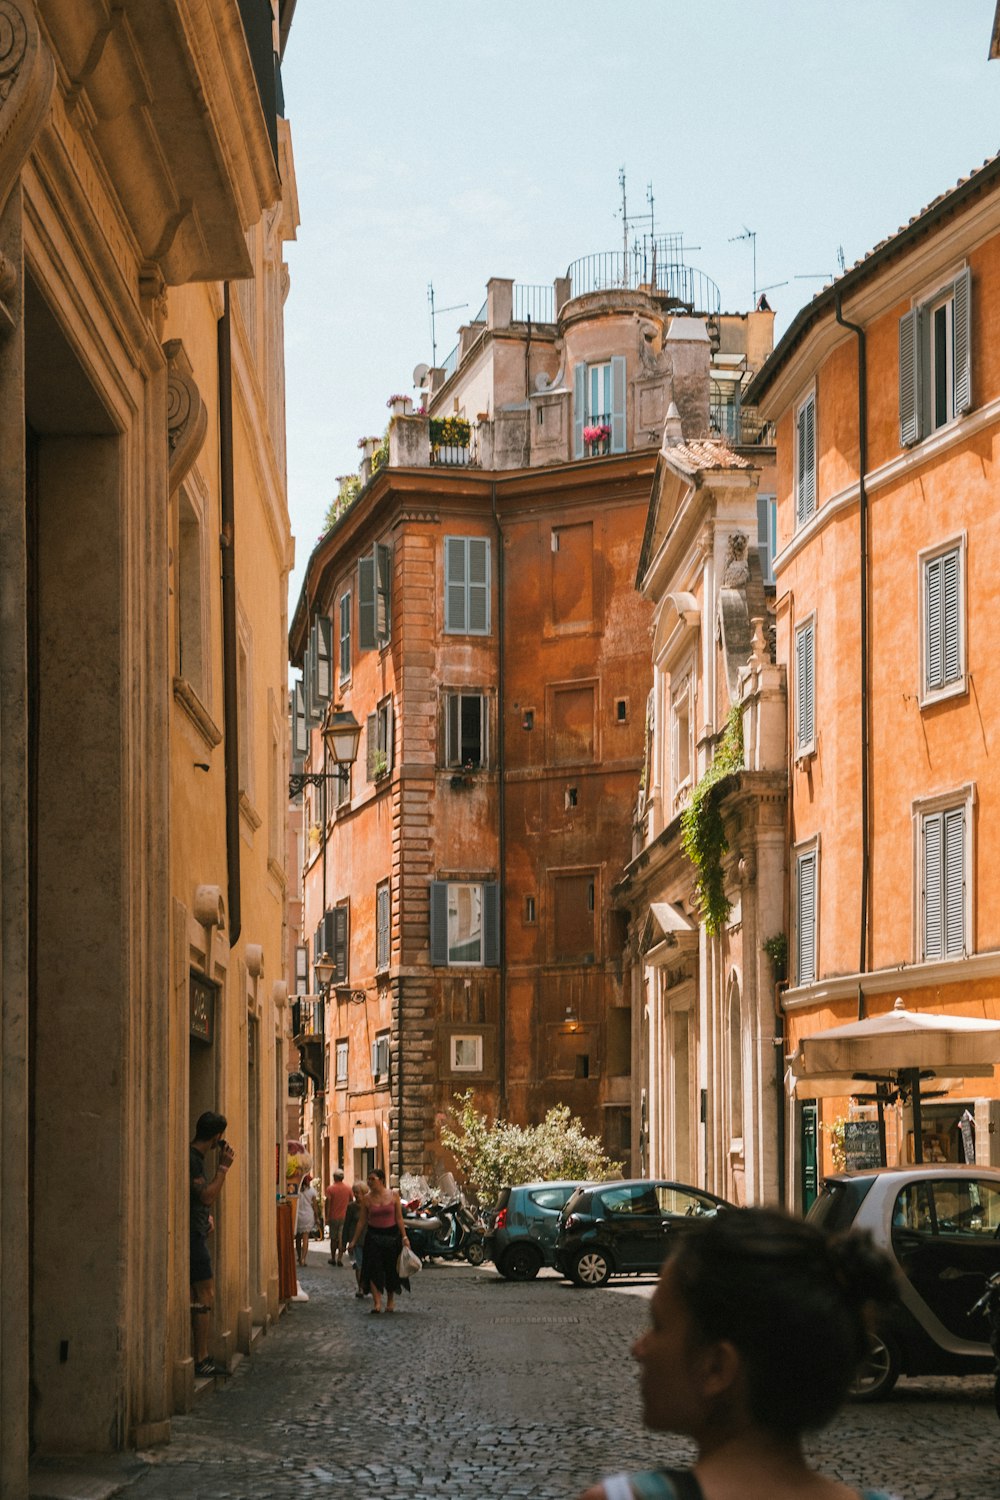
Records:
x=522, y=1227
x=612, y=1228
x=941, y=1224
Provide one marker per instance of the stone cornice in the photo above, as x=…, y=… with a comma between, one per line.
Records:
x=27, y=78
x=900, y=980
x=187, y=698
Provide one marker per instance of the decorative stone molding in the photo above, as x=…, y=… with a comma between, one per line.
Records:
x=737, y=568
x=255, y=960
x=209, y=907
x=27, y=76
x=187, y=415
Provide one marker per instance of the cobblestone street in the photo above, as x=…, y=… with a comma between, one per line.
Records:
x=478, y=1387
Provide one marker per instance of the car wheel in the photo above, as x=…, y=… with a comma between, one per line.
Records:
x=878, y=1371
x=474, y=1253
x=521, y=1263
x=591, y=1268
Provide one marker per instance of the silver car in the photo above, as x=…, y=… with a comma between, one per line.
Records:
x=941, y=1224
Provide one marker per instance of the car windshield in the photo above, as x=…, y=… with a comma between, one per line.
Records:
x=838, y=1203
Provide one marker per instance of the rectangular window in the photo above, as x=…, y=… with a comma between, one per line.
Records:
x=341, y=1074
x=805, y=688
x=767, y=534
x=467, y=585
x=302, y=970
x=382, y=926
x=380, y=736
x=529, y=909
x=680, y=736
x=943, y=622
x=943, y=861
x=465, y=729
x=805, y=460
x=345, y=637
x=300, y=727
x=465, y=923
x=806, y=904
x=324, y=659
x=599, y=402
x=380, y=1058
x=935, y=361
x=466, y=1054
x=192, y=655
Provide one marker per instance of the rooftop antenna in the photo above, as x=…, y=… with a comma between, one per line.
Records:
x=751, y=235
x=621, y=184
x=841, y=262
x=455, y=307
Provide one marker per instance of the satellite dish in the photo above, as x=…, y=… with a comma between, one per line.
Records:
x=420, y=374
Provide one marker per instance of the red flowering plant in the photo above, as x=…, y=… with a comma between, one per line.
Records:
x=598, y=434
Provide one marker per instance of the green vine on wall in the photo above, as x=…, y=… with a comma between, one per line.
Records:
x=703, y=837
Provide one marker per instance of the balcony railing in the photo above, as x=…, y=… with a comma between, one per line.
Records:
x=656, y=264
x=740, y=426
x=535, y=302
x=307, y=1018
x=597, y=435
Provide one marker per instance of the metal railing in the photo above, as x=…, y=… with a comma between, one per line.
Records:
x=450, y=363
x=741, y=426
x=537, y=302
x=481, y=314
x=654, y=264
x=307, y=1018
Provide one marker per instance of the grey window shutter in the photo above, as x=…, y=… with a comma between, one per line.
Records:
x=618, y=439
x=954, y=882
x=455, y=613
x=807, y=460
x=300, y=729
x=452, y=730
x=371, y=741
x=314, y=709
x=579, y=408
x=366, y=603
x=382, y=927
x=324, y=659
x=374, y=1059
x=345, y=637
x=339, y=950
x=320, y=940
x=302, y=970
x=387, y=727
x=934, y=623
x=806, y=920
x=383, y=593
x=491, y=924
x=933, y=886
x=951, y=635
x=963, y=346
x=439, y=922
x=805, y=673
x=479, y=586
x=910, y=406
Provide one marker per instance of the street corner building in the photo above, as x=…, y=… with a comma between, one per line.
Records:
x=146, y=192
x=473, y=604
x=885, y=392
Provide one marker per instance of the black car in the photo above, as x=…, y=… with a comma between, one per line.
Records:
x=611, y=1228
x=522, y=1228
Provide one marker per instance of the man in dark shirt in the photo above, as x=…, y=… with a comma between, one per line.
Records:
x=209, y=1132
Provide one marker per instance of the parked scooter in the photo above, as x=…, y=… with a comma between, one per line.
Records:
x=988, y=1307
x=446, y=1231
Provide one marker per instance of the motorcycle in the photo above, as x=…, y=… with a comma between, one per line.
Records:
x=988, y=1307
x=445, y=1231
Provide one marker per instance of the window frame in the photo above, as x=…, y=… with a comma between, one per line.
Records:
x=450, y=627
x=962, y=799
x=381, y=1048
x=344, y=652
x=454, y=1040
x=959, y=685
x=454, y=758
x=383, y=954
x=683, y=695
x=492, y=917
x=917, y=397
x=341, y=1054
x=804, y=516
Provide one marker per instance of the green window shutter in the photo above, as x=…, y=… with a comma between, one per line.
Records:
x=383, y=592
x=579, y=408
x=479, y=586
x=455, y=592
x=491, y=924
x=910, y=406
x=339, y=949
x=933, y=863
x=366, y=603
x=805, y=965
x=934, y=623
x=618, y=442
x=371, y=743
x=439, y=922
x=963, y=346
x=324, y=659
x=954, y=882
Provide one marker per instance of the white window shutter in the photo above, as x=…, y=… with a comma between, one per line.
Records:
x=455, y=613
x=954, y=882
x=951, y=642
x=805, y=968
x=963, y=345
x=910, y=406
x=934, y=623
x=579, y=408
x=933, y=946
x=805, y=497
x=345, y=637
x=805, y=675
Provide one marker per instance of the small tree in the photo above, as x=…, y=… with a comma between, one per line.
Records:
x=491, y=1156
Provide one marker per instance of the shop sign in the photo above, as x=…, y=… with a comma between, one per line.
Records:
x=203, y=993
x=296, y=1085
x=862, y=1146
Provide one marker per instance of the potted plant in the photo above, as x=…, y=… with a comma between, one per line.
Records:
x=399, y=406
x=368, y=445
x=380, y=764
x=597, y=439
x=465, y=776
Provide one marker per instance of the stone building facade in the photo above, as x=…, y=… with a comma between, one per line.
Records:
x=146, y=191
x=474, y=607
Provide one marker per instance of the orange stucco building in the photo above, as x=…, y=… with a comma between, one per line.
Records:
x=886, y=395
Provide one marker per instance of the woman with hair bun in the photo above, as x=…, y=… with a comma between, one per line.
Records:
x=759, y=1322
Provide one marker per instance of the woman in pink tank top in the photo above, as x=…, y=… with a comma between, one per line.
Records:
x=381, y=1223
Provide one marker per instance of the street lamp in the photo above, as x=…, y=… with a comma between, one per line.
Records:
x=341, y=737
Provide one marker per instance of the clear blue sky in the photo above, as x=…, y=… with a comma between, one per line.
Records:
x=453, y=141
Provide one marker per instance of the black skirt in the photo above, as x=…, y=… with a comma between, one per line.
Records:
x=378, y=1263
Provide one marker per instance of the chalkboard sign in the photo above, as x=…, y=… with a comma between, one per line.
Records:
x=862, y=1147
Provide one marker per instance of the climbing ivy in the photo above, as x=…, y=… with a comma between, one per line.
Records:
x=703, y=837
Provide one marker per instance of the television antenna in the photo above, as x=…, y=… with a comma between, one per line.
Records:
x=841, y=262
x=751, y=235
x=435, y=314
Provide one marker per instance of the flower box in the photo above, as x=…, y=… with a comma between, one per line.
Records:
x=597, y=440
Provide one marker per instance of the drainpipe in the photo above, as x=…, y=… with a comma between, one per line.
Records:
x=229, y=668
x=502, y=815
x=863, y=571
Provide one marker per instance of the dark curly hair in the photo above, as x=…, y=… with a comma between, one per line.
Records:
x=795, y=1302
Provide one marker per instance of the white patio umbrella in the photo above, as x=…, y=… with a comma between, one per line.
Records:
x=900, y=1049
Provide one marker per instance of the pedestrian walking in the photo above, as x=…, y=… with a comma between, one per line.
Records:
x=381, y=1226
x=305, y=1219
x=338, y=1197
x=209, y=1132
x=759, y=1322
x=351, y=1217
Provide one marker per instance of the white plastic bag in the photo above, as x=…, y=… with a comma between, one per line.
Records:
x=408, y=1263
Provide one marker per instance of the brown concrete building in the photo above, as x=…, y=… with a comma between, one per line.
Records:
x=146, y=192
x=474, y=607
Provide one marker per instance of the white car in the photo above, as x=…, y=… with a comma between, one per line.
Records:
x=941, y=1224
